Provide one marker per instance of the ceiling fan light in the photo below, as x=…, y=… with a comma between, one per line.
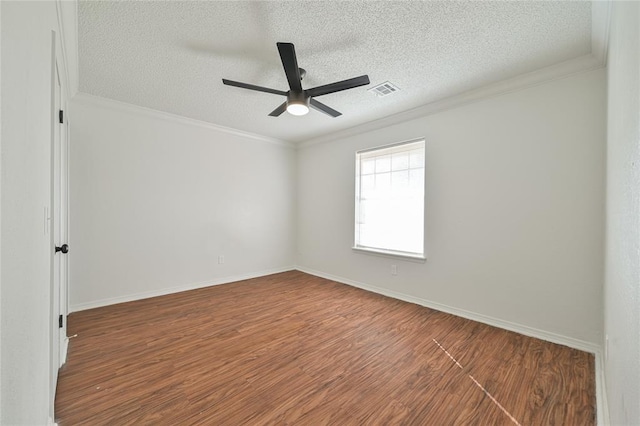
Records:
x=295, y=108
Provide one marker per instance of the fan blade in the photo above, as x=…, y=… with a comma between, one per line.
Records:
x=290, y=64
x=276, y=112
x=323, y=108
x=363, y=80
x=253, y=87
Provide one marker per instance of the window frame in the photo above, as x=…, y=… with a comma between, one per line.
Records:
x=416, y=257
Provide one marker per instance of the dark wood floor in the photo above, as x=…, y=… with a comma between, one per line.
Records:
x=292, y=348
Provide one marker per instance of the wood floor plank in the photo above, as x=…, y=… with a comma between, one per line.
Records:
x=294, y=349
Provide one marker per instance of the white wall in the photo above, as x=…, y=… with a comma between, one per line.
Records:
x=25, y=315
x=514, y=210
x=155, y=200
x=622, y=281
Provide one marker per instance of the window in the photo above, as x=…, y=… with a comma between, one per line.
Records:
x=390, y=200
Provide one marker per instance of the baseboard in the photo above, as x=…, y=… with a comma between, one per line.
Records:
x=602, y=403
x=496, y=322
x=65, y=350
x=177, y=289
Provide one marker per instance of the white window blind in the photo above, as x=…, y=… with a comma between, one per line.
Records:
x=390, y=199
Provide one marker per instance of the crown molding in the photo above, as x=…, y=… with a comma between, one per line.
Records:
x=86, y=99
x=544, y=75
x=67, y=13
x=600, y=22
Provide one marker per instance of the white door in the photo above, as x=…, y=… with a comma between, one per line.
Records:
x=59, y=235
x=55, y=235
x=61, y=225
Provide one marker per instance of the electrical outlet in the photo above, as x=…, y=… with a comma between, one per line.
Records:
x=220, y=260
x=394, y=269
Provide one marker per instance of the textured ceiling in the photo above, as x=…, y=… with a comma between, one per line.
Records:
x=171, y=56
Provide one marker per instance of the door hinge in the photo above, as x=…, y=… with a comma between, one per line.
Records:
x=60, y=320
x=61, y=116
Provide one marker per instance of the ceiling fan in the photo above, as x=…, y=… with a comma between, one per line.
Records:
x=298, y=99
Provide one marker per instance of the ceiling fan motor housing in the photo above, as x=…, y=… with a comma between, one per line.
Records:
x=297, y=98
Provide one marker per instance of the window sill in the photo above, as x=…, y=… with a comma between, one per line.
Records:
x=393, y=254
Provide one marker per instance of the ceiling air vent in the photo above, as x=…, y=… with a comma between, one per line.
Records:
x=384, y=89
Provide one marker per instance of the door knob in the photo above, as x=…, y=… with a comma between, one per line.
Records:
x=64, y=248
